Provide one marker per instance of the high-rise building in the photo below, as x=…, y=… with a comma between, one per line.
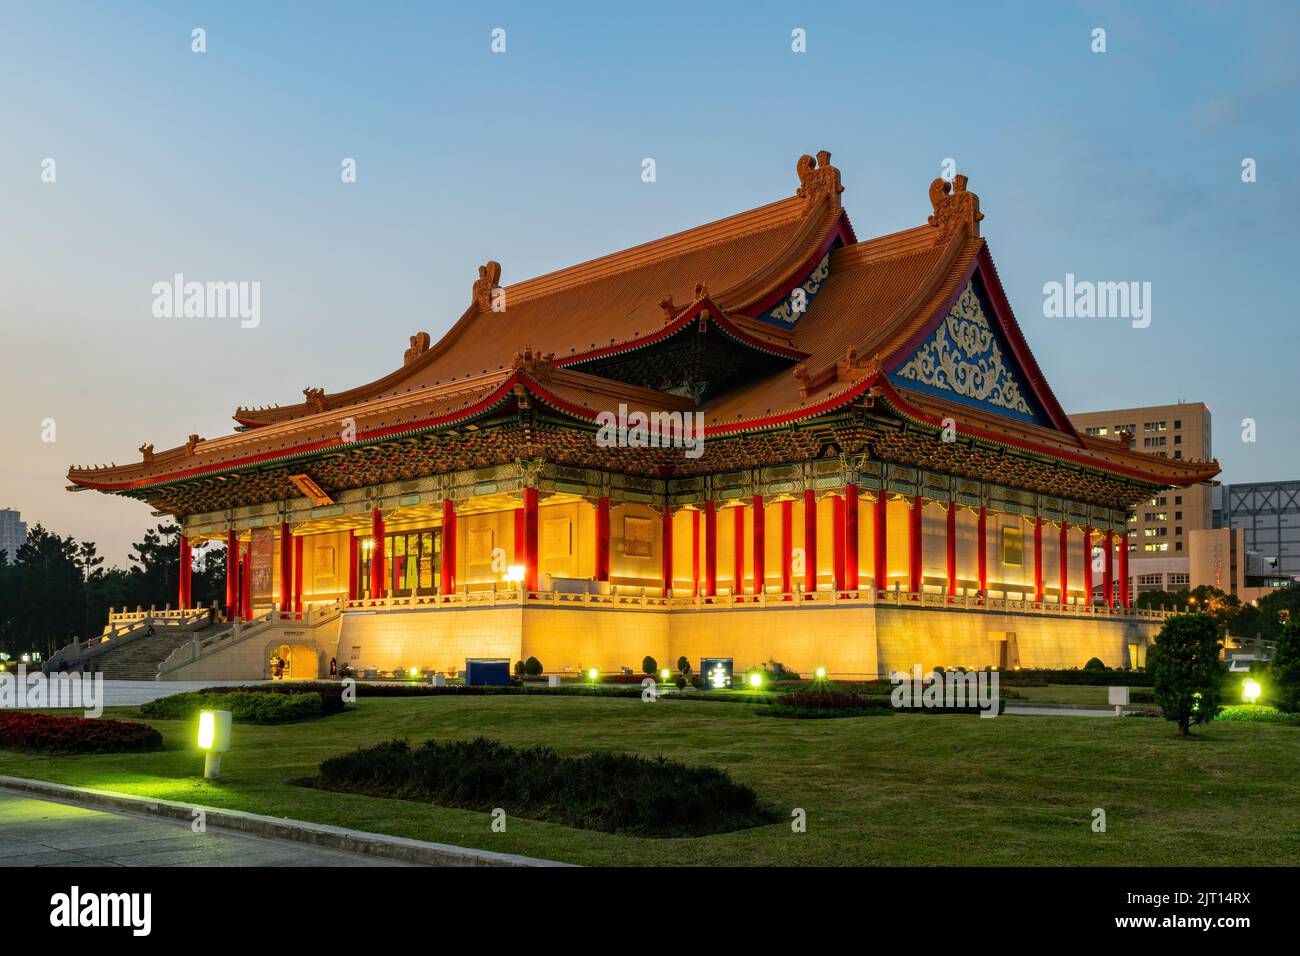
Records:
x=13, y=533
x=1160, y=527
x=1269, y=514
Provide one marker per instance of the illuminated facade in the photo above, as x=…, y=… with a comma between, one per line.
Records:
x=885, y=477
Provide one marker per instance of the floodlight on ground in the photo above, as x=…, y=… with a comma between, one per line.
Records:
x=1250, y=691
x=756, y=679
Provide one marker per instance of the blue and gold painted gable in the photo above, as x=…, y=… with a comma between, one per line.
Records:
x=966, y=359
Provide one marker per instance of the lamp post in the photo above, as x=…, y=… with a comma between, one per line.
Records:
x=214, y=739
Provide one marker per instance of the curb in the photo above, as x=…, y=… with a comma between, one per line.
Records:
x=418, y=852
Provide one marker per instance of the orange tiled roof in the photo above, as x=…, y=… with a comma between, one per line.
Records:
x=864, y=319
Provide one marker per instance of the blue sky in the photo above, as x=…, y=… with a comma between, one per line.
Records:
x=225, y=165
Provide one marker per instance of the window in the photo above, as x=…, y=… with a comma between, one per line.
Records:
x=1178, y=499
x=1178, y=423
x=1178, y=454
x=1178, y=439
x=1178, y=516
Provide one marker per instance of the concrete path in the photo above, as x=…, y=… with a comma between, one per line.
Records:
x=133, y=693
x=35, y=832
x=1060, y=711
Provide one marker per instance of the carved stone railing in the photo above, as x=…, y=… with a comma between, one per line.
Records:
x=641, y=599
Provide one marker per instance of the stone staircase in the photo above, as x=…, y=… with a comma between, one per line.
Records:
x=138, y=659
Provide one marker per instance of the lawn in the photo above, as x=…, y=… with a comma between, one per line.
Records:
x=904, y=789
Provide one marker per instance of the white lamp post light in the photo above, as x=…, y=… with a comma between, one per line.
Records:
x=214, y=738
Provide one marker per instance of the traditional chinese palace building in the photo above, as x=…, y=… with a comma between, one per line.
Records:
x=885, y=477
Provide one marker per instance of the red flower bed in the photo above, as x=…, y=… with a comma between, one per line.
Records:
x=27, y=731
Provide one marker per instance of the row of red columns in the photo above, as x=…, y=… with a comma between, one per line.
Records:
x=845, y=530
x=844, y=571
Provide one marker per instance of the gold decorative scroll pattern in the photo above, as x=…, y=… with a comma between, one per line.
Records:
x=963, y=357
x=785, y=311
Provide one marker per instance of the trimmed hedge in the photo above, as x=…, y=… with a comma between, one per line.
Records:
x=1092, y=678
x=246, y=707
x=611, y=792
x=1256, y=713
x=24, y=730
x=331, y=693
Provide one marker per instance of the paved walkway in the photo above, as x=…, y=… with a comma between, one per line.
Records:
x=133, y=693
x=1060, y=711
x=35, y=832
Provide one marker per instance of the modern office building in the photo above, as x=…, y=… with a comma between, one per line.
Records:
x=1160, y=527
x=13, y=533
x=1269, y=514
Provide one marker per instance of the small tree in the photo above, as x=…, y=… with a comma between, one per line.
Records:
x=649, y=665
x=1186, y=670
x=1094, y=664
x=533, y=667
x=519, y=668
x=1285, y=692
x=684, y=665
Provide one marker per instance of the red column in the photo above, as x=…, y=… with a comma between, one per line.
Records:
x=880, y=541
x=1038, y=559
x=352, y=564
x=914, y=545
x=519, y=536
x=837, y=541
x=377, y=568
x=982, y=559
x=952, y=547
x=710, y=549
x=738, y=552
x=1063, y=558
x=447, y=570
x=668, y=551
x=851, y=577
x=1087, y=565
x=297, y=573
x=787, y=547
x=695, y=552
x=530, y=539
x=1123, y=570
x=232, y=575
x=246, y=587
x=760, y=544
x=448, y=582
x=1108, y=574
x=602, y=539
x=183, y=574
x=809, y=540
x=286, y=568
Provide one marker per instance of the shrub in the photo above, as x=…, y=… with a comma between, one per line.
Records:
x=533, y=667
x=1256, y=713
x=680, y=681
x=24, y=730
x=611, y=792
x=1285, y=692
x=519, y=668
x=1094, y=664
x=246, y=707
x=684, y=665
x=331, y=693
x=649, y=665
x=697, y=682
x=1187, y=671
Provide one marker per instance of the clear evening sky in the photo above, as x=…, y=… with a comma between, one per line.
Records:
x=225, y=165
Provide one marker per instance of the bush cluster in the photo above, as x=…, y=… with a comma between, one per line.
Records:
x=245, y=706
x=24, y=730
x=611, y=792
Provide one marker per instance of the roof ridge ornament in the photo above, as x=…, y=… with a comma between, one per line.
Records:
x=419, y=345
x=817, y=178
x=486, y=285
x=954, y=207
x=534, y=364
x=315, y=398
